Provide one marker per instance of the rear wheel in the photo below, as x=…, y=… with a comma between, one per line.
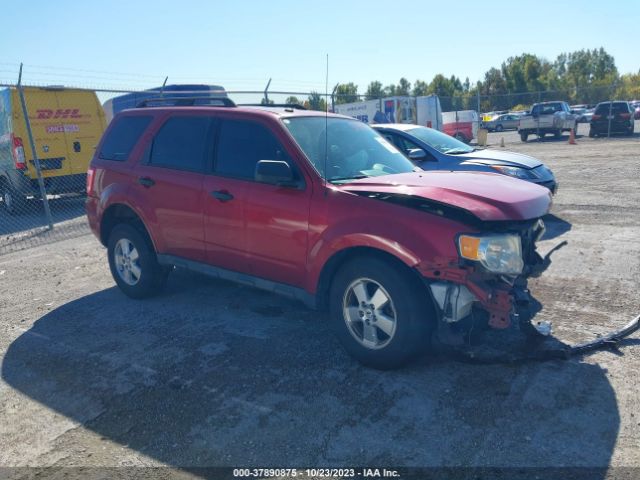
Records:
x=381, y=314
x=557, y=133
x=12, y=201
x=524, y=136
x=133, y=263
x=461, y=137
x=592, y=133
x=499, y=128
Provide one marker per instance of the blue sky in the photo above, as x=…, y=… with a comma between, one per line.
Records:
x=241, y=44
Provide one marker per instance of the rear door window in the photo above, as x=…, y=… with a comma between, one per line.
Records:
x=122, y=137
x=182, y=143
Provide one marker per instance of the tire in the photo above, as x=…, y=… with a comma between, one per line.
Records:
x=13, y=201
x=461, y=137
x=499, y=128
x=524, y=136
x=557, y=134
x=592, y=133
x=133, y=263
x=402, y=302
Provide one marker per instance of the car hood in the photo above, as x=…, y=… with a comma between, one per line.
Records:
x=487, y=196
x=498, y=157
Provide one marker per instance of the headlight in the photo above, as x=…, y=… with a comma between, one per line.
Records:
x=517, y=172
x=496, y=253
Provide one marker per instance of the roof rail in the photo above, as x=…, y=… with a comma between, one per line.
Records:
x=186, y=102
x=295, y=106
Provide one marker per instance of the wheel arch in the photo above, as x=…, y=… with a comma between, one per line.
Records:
x=340, y=258
x=120, y=213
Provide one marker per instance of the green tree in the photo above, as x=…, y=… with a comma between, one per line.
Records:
x=374, y=91
x=404, y=87
x=628, y=87
x=316, y=102
x=347, y=93
x=292, y=101
x=420, y=88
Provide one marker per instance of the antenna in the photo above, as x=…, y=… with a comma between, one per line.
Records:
x=326, y=124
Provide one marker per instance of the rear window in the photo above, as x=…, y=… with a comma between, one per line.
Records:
x=122, y=137
x=618, y=107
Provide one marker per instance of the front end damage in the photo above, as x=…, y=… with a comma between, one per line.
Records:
x=489, y=316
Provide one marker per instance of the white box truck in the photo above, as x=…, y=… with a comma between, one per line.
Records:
x=423, y=111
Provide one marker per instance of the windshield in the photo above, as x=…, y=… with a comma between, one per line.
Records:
x=440, y=141
x=355, y=149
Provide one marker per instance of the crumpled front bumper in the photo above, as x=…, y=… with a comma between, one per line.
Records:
x=505, y=305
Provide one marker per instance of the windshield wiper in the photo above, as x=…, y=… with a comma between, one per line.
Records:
x=343, y=179
x=457, y=151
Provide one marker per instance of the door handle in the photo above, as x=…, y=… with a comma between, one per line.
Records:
x=222, y=195
x=146, y=182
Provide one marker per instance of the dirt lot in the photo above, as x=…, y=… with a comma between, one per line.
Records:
x=217, y=374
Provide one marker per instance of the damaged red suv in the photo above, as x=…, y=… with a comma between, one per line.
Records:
x=320, y=208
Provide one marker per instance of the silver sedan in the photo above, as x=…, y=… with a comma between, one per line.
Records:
x=499, y=123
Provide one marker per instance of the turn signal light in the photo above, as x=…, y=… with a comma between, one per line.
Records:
x=469, y=247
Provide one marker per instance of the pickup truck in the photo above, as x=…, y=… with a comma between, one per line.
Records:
x=547, y=117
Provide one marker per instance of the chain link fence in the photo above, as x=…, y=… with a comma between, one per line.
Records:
x=48, y=136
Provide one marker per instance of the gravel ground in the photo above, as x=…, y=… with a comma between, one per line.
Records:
x=217, y=374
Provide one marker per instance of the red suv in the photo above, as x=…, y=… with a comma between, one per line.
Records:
x=320, y=208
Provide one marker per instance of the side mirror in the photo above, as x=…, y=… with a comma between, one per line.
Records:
x=275, y=172
x=417, y=154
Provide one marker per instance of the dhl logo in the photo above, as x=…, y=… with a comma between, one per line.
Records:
x=45, y=114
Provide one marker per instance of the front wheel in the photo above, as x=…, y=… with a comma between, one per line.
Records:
x=524, y=136
x=499, y=128
x=133, y=263
x=381, y=314
x=557, y=133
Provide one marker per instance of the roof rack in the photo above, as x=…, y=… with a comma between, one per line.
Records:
x=186, y=102
x=295, y=106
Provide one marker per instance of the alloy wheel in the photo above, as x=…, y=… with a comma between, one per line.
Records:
x=369, y=313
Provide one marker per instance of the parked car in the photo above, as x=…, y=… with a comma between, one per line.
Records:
x=66, y=124
x=614, y=117
x=320, y=208
x=579, y=114
x=635, y=105
x=432, y=150
x=499, y=123
x=547, y=118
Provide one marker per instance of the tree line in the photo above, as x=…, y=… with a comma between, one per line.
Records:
x=583, y=76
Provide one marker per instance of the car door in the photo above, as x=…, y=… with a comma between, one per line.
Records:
x=168, y=184
x=511, y=122
x=271, y=240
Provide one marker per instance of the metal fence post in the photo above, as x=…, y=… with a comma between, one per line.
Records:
x=609, y=117
x=32, y=144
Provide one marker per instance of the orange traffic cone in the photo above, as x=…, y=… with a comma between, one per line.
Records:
x=572, y=137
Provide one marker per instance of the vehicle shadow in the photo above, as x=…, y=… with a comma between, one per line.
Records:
x=214, y=374
x=555, y=226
